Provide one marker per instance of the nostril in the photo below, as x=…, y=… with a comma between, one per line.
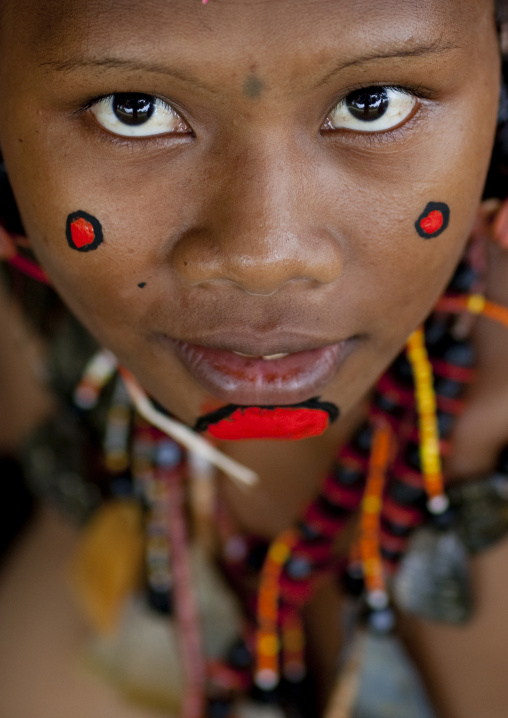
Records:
x=269, y=291
x=258, y=265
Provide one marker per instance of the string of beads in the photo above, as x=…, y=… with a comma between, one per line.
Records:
x=389, y=475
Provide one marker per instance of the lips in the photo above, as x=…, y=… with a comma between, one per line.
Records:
x=229, y=375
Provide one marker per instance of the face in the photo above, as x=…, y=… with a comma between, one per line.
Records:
x=205, y=182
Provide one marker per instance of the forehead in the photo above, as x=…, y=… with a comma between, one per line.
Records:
x=250, y=26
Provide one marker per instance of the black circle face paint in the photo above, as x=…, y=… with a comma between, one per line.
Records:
x=434, y=220
x=292, y=422
x=83, y=231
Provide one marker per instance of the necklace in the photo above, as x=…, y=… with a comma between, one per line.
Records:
x=383, y=473
x=388, y=476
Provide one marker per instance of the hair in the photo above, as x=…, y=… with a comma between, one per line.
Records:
x=497, y=178
x=502, y=10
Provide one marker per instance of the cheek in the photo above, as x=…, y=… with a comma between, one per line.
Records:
x=96, y=278
x=403, y=260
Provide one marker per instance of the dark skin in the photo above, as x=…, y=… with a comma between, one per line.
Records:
x=236, y=245
x=255, y=213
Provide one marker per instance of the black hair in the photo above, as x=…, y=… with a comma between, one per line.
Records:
x=497, y=178
x=9, y=215
x=501, y=11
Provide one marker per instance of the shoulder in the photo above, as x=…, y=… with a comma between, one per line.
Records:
x=42, y=634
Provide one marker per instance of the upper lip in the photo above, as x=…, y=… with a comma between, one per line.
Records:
x=258, y=345
x=309, y=366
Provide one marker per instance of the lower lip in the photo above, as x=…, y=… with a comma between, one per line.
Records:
x=255, y=381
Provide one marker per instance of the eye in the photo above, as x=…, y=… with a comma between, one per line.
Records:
x=138, y=115
x=372, y=109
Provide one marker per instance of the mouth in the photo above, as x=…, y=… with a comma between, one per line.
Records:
x=264, y=374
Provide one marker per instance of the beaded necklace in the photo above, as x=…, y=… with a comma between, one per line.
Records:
x=389, y=475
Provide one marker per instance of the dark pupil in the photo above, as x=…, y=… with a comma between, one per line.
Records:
x=369, y=104
x=133, y=109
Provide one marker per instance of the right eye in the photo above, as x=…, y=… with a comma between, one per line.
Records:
x=138, y=115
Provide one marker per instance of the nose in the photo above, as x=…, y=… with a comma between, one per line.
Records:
x=261, y=228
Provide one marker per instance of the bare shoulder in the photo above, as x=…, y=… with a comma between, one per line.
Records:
x=41, y=635
x=465, y=666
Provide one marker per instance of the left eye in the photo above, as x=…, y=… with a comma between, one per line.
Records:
x=372, y=109
x=138, y=115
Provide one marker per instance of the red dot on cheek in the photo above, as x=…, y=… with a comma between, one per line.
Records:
x=82, y=232
x=432, y=222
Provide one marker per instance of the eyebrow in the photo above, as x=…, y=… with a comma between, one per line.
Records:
x=116, y=63
x=434, y=48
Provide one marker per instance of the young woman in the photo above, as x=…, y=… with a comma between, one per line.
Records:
x=253, y=206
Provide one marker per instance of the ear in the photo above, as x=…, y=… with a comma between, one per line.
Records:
x=8, y=248
x=9, y=243
x=500, y=226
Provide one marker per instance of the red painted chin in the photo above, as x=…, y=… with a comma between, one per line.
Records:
x=257, y=422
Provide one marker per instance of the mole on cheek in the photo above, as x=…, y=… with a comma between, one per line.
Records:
x=253, y=87
x=141, y=285
x=434, y=220
x=83, y=231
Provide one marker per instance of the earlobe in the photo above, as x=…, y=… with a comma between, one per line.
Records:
x=7, y=244
x=500, y=226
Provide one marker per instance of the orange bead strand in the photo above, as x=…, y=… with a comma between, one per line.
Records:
x=474, y=304
x=426, y=405
x=372, y=502
x=268, y=643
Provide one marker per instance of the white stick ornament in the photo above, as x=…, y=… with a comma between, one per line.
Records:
x=185, y=436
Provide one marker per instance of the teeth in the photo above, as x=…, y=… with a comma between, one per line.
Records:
x=271, y=357
x=266, y=357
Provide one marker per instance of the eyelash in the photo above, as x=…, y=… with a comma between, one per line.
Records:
x=379, y=137
x=124, y=141
x=350, y=135
x=418, y=91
